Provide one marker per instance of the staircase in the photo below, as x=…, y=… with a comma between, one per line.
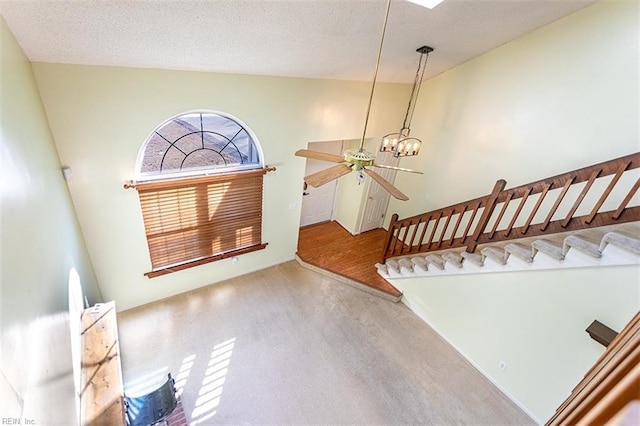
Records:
x=586, y=218
x=568, y=220
x=607, y=246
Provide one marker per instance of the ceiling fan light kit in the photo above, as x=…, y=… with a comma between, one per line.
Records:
x=400, y=143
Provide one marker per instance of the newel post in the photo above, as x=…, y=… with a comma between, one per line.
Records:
x=387, y=243
x=490, y=205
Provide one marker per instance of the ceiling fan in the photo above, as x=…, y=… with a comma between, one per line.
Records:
x=356, y=159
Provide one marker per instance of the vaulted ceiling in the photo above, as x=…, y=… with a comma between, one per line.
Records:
x=335, y=39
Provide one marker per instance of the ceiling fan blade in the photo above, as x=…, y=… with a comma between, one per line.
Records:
x=316, y=155
x=384, y=166
x=386, y=185
x=324, y=176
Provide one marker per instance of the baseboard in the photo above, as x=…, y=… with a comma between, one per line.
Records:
x=311, y=225
x=348, y=281
x=219, y=280
x=351, y=231
x=473, y=363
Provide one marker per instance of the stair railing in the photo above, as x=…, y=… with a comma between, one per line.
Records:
x=610, y=388
x=598, y=195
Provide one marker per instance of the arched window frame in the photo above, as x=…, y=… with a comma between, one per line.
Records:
x=144, y=177
x=201, y=214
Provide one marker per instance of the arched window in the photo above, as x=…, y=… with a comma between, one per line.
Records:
x=199, y=179
x=197, y=142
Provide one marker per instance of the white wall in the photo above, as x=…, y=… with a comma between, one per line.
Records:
x=100, y=116
x=40, y=242
x=563, y=97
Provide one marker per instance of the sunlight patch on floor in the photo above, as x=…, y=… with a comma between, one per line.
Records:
x=212, y=383
x=183, y=373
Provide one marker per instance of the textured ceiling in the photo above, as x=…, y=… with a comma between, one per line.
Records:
x=336, y=39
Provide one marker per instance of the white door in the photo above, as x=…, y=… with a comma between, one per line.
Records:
x=317, y=203
x=377, y=198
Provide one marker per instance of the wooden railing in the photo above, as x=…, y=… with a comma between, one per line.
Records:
x=610, y=390
x=598, y=195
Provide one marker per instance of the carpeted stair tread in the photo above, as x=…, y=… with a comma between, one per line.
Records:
x=622, y=240
x=519, y=250
x=547, y=247
x=405, y=265
x=420, y=263
x=393, y=265
x=383, y=269
x=473, y=258
x=585, y=246
x=435, y=260
x=494, y=253
x=453, y=258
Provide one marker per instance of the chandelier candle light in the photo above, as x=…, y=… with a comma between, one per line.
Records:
x=401, y=144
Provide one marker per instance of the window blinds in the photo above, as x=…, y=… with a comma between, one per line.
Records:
x=199, y=220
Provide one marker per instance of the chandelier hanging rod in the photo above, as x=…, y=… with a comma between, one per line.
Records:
x=401, y=144
x=417, y=82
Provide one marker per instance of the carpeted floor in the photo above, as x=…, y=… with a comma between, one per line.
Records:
x=289, y=346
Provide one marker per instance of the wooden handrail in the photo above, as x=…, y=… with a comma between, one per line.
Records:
x=486, y=213
x=609, y=386
x=441, y=229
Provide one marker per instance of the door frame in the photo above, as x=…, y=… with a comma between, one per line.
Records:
x=334, y=197
x=387, y=159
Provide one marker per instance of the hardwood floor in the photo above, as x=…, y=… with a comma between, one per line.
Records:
x=330, y=247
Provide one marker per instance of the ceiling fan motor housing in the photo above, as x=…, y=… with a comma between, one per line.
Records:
x=359, y=158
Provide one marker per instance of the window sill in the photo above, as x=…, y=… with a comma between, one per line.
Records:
x=179, y=267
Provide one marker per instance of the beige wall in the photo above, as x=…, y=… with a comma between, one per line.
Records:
x=100, y=117
x=40, y=242
x=350, y=193
x=563, y=97
x=533, y=321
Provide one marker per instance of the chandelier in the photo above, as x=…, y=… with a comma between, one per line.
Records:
x=401, y=143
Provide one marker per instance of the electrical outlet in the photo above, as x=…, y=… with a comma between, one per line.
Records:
x=293, y=206
x=502, y=365
x=67, y=173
